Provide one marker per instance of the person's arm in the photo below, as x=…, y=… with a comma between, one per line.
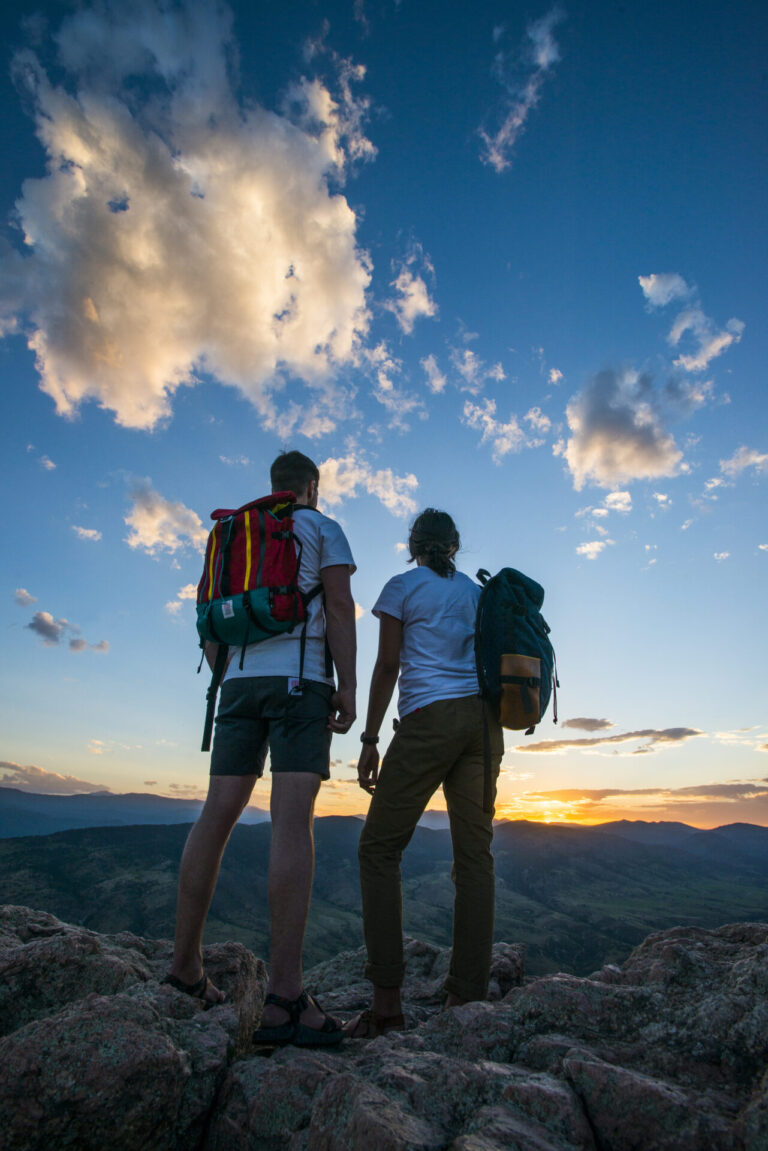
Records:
x=342, y=640
x=383, y=680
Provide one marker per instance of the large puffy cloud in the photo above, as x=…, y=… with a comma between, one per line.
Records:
x=158, y=524
x=617, y=433
x=346, y=477
x=29, y=777
x=537, y=58
x=176, y=231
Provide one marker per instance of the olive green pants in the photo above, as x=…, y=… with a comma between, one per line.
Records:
x=438, y=744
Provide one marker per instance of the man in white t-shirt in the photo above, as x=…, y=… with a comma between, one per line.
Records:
x=265, y=705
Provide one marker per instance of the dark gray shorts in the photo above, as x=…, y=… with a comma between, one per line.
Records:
x=256, y=713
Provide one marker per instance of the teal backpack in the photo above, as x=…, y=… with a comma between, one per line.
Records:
x=516, y=667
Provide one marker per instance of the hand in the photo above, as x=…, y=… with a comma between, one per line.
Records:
x=368, y=768
x=342, y=710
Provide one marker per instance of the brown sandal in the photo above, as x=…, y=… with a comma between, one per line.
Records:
x=369, y=1025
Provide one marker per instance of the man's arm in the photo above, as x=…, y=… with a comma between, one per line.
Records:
x=342, y=640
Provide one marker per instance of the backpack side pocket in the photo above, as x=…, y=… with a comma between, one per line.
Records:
x=520, y=691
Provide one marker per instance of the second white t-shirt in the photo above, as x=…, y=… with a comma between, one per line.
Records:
x=437, y=657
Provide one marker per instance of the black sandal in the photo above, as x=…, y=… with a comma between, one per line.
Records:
x=196, y=990
x=292, y=1031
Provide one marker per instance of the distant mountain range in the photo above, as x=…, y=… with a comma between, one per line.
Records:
x=576, y=896
x=30, y=813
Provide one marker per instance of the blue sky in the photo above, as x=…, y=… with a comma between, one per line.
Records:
x=504, y=261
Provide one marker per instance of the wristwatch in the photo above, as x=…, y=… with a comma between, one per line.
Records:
x=369, y=740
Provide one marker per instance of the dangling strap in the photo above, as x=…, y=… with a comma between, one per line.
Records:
x=218, y=671
x=487, y=774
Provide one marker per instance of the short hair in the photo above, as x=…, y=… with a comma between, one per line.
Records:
x=435, y=539
x=293, y=472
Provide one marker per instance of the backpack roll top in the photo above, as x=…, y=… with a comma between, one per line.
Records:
x=248, y=590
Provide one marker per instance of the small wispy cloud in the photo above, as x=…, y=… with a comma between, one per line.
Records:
x=188, y=592
x=435, y=378
x=651, y=737
x=742, y=460
x=504, y=437
x=474, y=371
x=660, y=289
x=53, y=631
x=24, y=598
x=585, y=723
x=235, y=461
x=593, y=548
x=412, y=299
x=522, y=77
x=86, y=533
x=711, y=341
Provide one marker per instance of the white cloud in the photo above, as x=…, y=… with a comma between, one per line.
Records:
x=397, y=402
x=152, y=165
x=720, y=556
x=401, y=547
x=504, y=437
x=555, y=376
x=24, y=598
x=435, y=378
x=235, y=461
x=539, y=422
x=742, y=459
x=29, y=777
x=344, y=478
x=359, y=611
x=158, y=524
x=47, y=463
x=538, y=57
x=593, y=549
x=474, y=371
x=660, y=289
x=619, y=502
x=763, y=547
x=662, y=499
x=710, y=342
x=617, y=434
x=189, y=591
x=412, y=298
x=49, y=629
x=86, y=533
x=52, y=631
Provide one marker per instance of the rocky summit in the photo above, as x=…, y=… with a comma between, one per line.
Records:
x=668, y=1051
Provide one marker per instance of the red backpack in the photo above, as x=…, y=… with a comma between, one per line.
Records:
x=249, y=590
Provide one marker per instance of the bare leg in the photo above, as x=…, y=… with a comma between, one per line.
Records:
x=199, y=870
x=291, y=870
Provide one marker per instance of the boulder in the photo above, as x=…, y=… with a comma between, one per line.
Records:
x=668, y=1051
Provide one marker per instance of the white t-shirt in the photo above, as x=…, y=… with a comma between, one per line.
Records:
x=323, y=545
x=437, y=656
